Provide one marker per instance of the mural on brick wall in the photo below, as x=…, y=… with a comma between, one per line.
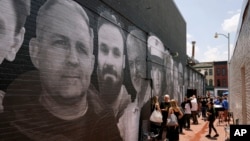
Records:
x=70, y=72
x=12, y=30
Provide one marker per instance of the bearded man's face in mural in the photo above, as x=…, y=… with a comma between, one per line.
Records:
x=110, y=60
x=63, y=52
x=136, y=58
x=11, y=38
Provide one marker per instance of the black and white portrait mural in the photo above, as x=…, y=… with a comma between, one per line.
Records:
x=180, y=82
x=136, y=50
x=73, y=70
x=12, y=31
x=170, y=76
x=156, y=49
x=176, y=81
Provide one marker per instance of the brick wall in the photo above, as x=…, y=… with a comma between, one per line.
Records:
x=87, y=69
x=239, y=71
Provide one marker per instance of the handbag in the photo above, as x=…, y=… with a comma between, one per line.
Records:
x=172, y=120
x=156, y=116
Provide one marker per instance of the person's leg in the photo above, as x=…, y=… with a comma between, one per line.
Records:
x=196, y=117
x=203, y=112
x=216, y=133
x=177, y=133
x=225, y=115
x=168, y=134
x=210, y=124
x=180, y=125
x=185, y=121
x=161, y=131
x=192, y=115
x=188, y=120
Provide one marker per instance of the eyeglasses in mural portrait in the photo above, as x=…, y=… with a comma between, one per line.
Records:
x=136, y=50
x=56, y=102
x=12, y=19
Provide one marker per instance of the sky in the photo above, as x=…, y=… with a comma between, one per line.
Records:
x=204, y=18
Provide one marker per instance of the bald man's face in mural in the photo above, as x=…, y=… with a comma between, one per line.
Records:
x=136, y=57
x=10, y=40
x=110, y=60
x=63, y=53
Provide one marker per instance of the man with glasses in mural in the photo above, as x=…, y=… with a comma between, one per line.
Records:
x=60, y=104
x=12, y=19
x=136, y=47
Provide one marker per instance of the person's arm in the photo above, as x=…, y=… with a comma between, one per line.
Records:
x=170, y=111
x=157, y=106
x=209, y=112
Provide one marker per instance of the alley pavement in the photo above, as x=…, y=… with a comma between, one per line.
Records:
x=198, y=132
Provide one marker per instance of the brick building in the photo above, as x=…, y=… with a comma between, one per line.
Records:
x=239, y=69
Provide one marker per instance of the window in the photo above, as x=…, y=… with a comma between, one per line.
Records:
x=210, y=82
x=210, y=71
x=224, y=82
x=218, y=71
x=218, y=82
x=223, y=72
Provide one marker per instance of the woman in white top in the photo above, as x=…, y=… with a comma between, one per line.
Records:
x=187, y=114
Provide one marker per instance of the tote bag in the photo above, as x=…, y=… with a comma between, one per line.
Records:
x=156, y=116
x=172, y=120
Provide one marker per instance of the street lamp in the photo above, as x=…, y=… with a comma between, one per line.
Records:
x=228, y=60
x=228, y=39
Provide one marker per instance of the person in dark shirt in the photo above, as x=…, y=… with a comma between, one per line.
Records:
x=203, y=108
x=211, y=119
x=164, y=109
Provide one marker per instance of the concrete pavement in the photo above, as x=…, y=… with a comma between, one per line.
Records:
x=198, y=132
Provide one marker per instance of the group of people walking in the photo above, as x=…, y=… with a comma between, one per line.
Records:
x=186, y=111
x=167, y=107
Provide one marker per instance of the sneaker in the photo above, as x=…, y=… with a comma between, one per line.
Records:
x=208, y=136
x=216, y=135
